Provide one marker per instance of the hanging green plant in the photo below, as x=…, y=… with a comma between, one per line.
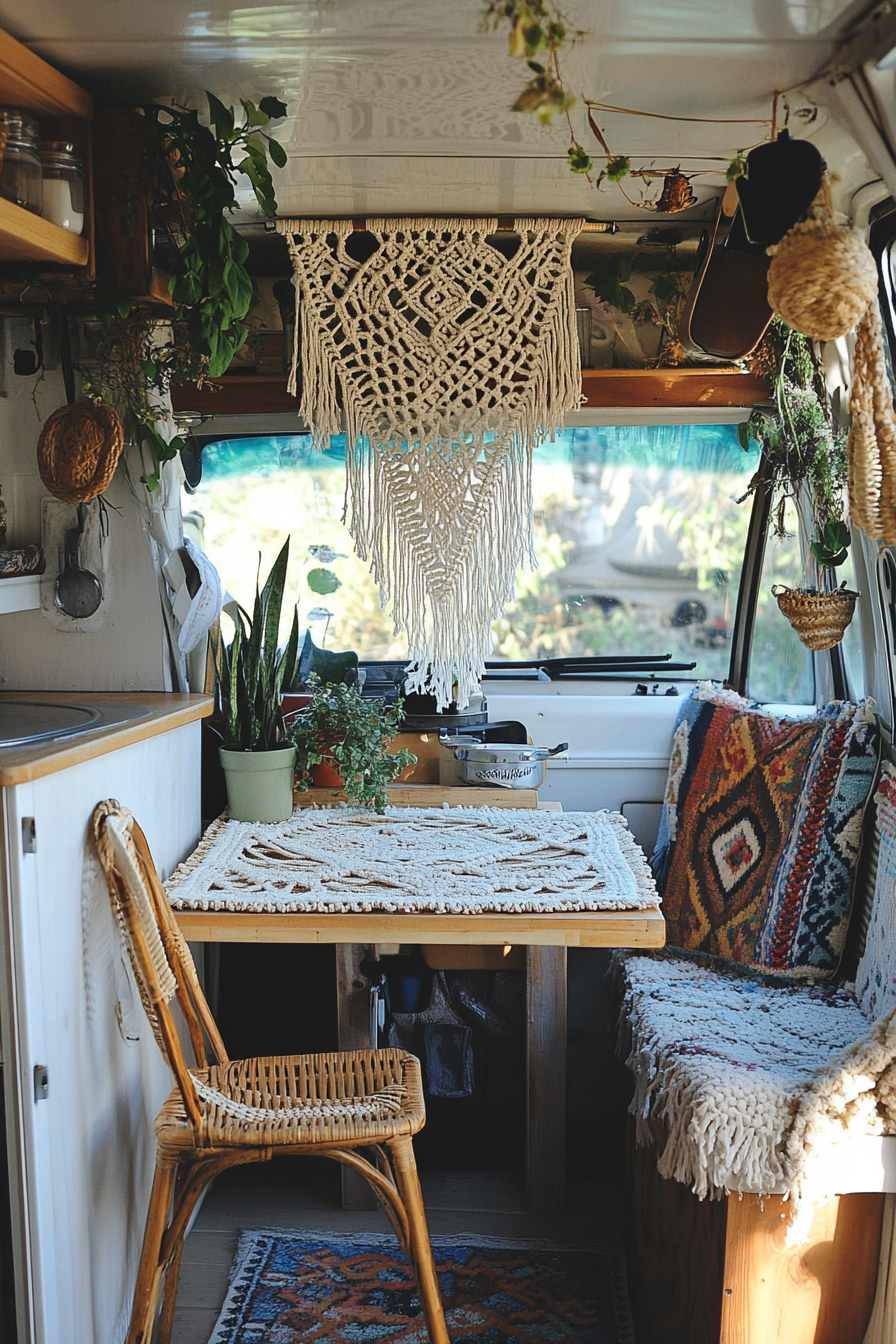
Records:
x=209, y=282
x=805, y=449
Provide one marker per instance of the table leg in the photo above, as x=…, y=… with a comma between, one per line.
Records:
x=353, y=1016
x=546, y=1078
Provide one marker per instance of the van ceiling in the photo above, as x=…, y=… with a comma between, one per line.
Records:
x=402, y=106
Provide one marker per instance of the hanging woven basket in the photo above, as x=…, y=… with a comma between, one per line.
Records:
x=820, y=619
x=78, y=451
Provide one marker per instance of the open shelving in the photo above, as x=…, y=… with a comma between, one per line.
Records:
x=29, y=83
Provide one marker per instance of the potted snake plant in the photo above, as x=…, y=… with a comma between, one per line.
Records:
x=250, y=674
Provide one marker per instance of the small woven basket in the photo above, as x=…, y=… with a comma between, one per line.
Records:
x=78, y=451
x=820, y=619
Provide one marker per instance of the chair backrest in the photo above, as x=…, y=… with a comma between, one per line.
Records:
x=159, y=956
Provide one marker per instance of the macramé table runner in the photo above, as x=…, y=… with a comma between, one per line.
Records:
x=456, y=861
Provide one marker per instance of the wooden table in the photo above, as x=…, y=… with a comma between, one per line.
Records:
x=546, y=938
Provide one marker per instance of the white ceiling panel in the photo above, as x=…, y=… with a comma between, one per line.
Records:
x=403, y=105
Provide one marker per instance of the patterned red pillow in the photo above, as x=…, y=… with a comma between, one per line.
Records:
x=761, y=830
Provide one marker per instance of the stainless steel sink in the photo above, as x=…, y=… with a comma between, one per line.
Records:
x=24, y=721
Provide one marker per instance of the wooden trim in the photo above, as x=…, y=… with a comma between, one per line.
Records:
x=250, y=394
x=671, y=387
x=24, y=236
x=28, y=82
x=820, y=1292
x=19, y=765
x=601, y=928
x=238, y=394
x=431, y=795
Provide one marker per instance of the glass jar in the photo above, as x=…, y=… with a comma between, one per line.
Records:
x=20, y=174
x=64, y=193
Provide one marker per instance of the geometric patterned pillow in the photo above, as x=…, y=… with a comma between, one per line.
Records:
x=876, y=973
x=760, y=835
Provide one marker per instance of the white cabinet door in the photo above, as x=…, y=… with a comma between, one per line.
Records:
x=88, y=1144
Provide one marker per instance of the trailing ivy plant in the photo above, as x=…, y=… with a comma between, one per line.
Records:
x=803, y=445
x=210, y=284
x=352, y=732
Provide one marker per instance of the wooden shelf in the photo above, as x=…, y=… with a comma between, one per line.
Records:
x=26, y=237
x=27, y=82
x=64, y=110
x=250, y=394
x=20, y=594
x=430, y=795
x=670, y=387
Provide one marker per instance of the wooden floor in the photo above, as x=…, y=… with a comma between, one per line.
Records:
x=296, y=1194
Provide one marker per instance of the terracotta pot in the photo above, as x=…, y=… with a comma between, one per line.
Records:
x=325, y=776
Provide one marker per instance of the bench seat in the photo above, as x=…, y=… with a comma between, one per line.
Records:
x=725, y=1065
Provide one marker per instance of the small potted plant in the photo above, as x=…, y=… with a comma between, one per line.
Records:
x=805, y=453
x=251, y=672
x=349, y=734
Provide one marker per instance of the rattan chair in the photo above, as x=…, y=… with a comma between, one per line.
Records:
x=230, y=1112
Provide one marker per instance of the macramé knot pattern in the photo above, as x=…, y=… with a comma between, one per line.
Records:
x=822, y=279
x=78, y=451
x=447, y=361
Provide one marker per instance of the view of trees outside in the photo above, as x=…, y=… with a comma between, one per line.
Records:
x=638, y=533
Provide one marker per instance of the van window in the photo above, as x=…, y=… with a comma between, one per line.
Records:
x=639, y=534
x=781, y=669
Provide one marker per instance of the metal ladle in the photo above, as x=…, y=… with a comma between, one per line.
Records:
x=78, y=592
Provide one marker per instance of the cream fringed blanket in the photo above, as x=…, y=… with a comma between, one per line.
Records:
x=460, y=860
x=753, y=1084
x=450, y=362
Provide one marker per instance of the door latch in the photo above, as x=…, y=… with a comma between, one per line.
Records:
x=41, y=1082
x=29, y=836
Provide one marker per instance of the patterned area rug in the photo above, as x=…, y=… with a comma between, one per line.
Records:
x=358, y=1289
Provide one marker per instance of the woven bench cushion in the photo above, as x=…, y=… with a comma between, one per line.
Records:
x=760, y=834
x=722, y=1062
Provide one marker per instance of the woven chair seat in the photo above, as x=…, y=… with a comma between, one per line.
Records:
x=353, y=1097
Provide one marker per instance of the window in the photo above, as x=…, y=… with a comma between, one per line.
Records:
x=639, y=534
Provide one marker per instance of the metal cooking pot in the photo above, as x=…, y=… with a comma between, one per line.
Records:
x=503, y=765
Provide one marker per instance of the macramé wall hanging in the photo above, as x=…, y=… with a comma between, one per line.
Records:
x=449, y=362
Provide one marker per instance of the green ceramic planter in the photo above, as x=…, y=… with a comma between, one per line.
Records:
x=259, y=783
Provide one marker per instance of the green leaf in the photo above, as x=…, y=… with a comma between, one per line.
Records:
x=579, y=160
x=323, y=581
x=220, y=116
x=736, y=168
x=665, y=287
x=608, y=281
x=618, y=167
x=273, y=107
x=254, y=115
x=277, y=153
x=743, y=435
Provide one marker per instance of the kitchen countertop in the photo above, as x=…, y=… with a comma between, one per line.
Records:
x=20, y=764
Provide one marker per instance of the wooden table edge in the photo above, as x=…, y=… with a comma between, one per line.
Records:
x=598, y=928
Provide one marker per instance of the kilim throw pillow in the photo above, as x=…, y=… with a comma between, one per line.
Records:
x=761, y=829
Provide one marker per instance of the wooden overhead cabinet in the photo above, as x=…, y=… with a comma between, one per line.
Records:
x=64, y=112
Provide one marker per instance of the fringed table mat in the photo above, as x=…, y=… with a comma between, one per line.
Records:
x=457, y=861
